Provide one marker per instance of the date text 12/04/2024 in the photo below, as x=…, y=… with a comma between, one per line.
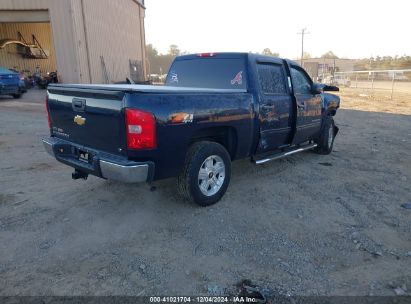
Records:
x=203, y=299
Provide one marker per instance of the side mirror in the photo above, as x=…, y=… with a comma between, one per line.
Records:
x=331, y=88
x=319, y=88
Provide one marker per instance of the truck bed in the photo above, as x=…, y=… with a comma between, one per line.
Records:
x=139, y=88
x=97, y=123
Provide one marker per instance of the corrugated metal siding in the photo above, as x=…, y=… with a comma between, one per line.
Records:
x=9, y=57
x=22, y=16
x=143, y=40
x=25, y=4
x=61, y=28
x=64, y=43
x=113, y=29
x=80, y=41
x=114, y=33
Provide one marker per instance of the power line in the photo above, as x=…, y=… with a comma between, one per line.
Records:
x=302, y=33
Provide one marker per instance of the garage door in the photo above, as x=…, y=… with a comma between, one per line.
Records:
x=24, y=16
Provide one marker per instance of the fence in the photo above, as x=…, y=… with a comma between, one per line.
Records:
x=378, y=84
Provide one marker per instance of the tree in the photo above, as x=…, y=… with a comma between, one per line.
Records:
x=268, y=52
x=151, y=51
x=306, y=55
x=151, y=54
x=384, y=63
x=329, y=55
x=160, y=63
x=174, y=50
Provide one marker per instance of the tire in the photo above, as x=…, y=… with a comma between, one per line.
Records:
x=328, y=132
x=16, y=96
x=206, y=173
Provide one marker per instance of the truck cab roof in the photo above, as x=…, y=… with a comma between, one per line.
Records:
x=223, y=55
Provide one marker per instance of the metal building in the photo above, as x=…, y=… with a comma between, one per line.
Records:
x=86, y=41
x=320, y=67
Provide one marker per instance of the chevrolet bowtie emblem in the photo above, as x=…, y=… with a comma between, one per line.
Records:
x=79, y=120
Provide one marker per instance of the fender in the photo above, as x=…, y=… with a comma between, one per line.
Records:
x=329, y=104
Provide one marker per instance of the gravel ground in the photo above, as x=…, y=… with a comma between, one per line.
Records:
x=304, y=225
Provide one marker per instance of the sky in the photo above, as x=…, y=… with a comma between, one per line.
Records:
x=350, y=29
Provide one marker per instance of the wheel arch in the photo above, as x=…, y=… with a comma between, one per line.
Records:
x=330, y=104
x=225, y=135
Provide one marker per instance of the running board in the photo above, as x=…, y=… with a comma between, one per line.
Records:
x=284, y=154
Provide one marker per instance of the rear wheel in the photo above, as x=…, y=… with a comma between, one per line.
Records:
x=206, y=173
x=328, y=132
x=16, y=96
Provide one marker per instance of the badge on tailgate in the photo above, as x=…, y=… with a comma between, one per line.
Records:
x=79, y=120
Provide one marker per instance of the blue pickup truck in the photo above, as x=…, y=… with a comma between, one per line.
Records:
x=213, y=109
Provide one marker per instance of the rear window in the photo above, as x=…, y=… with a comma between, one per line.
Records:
x=208, y=73
x=271, y=78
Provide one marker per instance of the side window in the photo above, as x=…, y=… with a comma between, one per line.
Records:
x=271, y=77
x=300, y=82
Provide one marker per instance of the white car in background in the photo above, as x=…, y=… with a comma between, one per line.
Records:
x=337, y=80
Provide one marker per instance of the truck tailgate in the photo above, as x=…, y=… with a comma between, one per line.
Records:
x=92, y=118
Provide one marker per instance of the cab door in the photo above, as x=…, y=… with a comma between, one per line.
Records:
x=308, y=106
x=276, y=106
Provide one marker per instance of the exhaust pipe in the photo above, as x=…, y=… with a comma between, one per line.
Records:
x=79, y=174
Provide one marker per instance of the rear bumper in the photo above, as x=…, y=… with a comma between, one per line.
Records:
x=101, y=164
x=6, y=89
x=132, y=173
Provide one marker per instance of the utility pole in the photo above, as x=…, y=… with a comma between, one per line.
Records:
x=302, y=33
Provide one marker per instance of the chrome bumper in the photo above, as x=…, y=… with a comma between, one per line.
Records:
x=48, y=147
x=124, y=171
x=126, y=174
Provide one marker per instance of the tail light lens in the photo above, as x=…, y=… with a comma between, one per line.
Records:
x=48, y=111
x=140, y=129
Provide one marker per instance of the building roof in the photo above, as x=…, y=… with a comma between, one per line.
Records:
x=141, y=2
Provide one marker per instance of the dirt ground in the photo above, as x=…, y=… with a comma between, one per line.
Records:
x=378, y=97
x=304, y=225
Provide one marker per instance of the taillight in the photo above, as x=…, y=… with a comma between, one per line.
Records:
x=48, y=111
x=140, y=129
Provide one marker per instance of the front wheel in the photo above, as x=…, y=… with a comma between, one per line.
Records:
x=326, y=140
x=206, y=173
